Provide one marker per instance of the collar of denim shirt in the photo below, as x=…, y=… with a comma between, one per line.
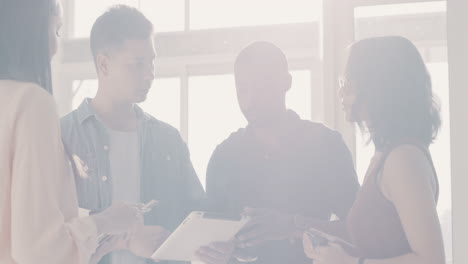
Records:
x=85, y=111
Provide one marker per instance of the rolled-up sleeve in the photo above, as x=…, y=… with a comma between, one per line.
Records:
x=45, y=224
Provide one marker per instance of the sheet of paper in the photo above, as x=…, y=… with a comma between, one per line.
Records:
x=83, y=212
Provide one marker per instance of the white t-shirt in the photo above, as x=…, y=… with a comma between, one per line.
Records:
x=124, y=156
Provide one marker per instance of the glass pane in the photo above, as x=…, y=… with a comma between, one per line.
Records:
x=217, y=14
x=165, y=15
x=86, y=12
x=424, y=24
x=213, y=115
x=440, y=151
x=364, y=153
x=83, y=89
x=163, y=101
x=299, y=97
x=400, y=9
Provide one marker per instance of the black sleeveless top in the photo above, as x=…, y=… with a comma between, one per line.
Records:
x=373, y=223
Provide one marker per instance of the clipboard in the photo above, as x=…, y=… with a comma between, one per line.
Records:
x=197, y=230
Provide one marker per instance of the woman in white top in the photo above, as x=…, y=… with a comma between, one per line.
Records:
x=38, y=206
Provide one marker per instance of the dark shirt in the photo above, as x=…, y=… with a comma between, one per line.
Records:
x=167, y=174
x=311, y=173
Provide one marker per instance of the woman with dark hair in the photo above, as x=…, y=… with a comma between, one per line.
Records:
x=39, y=220
x=387, y=91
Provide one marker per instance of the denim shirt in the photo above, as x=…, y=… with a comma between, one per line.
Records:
x=167, y=174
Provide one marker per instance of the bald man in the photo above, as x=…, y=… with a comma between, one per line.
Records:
x=288, y=174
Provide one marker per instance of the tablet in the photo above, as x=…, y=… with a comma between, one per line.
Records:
x=197, y=230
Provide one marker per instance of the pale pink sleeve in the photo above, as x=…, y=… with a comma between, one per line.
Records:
x=43, y=229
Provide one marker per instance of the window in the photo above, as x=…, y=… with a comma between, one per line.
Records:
x=208, y=97
x=165, y=15
x=83, y=89
x=300, y=96
x=86, y=12
x=440, y=151
x=204, y=14
x=218, y=14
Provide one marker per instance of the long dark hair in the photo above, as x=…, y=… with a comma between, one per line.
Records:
x=24, y=41
x=394, y=90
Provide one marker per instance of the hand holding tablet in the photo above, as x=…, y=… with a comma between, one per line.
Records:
x=199, y=229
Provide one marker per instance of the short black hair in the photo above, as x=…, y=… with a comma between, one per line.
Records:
x=118, y=24
x=24, y=41
x=394, y=88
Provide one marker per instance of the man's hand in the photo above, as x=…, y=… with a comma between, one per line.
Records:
x=144, y=240
x=266, y=225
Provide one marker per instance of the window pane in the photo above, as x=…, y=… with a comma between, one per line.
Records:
x=83, y=89
x=299, y=97
x=218, y=14
x=213, y=115
x=364, y=153
x=165, y=15
x=163, y=101
x=86, y=12
x=440, y=151
x=424, y=24
x=400, y=9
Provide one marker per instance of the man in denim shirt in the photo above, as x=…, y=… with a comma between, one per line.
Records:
x=121, y=153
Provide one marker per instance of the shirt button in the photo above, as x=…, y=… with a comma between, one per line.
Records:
x=106, y=148
x=104, y=178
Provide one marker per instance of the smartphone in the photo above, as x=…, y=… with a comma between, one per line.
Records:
x=320, y=239
x=317, y=239
x=147, y=207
